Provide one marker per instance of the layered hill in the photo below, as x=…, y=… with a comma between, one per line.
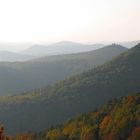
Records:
x=81, y=93
x=18, y=77
x=119, y=119
x=12, y=56
x=59, y=48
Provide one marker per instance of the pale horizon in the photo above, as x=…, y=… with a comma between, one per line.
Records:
x=84, y=21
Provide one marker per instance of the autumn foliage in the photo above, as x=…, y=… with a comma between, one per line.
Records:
x=119, y=119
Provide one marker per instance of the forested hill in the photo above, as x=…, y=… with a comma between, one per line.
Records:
x=119, y=119
x=75, y=95
x=115, y=78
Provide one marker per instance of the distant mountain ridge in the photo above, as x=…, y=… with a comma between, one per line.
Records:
x=113, y=49
x=18, y=77
x=59, y=48
x=130, y=44
x=63, y=47
x=36, y=51
x=12, y=56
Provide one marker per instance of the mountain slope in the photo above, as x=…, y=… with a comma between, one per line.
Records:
x=116, y=120
x=81, y=93
x=25, y=76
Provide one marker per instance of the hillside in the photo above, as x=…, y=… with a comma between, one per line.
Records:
x=119, y=119
x=72, y=96
x=18, y=77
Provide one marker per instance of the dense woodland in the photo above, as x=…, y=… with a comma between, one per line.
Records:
x=75, y=95
x=119, y=119
x=40, y=109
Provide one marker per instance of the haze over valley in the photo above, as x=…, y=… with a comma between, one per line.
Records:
x=69, y=70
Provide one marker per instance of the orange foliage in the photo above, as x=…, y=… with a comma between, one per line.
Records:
x=94, y=114
x=110, y=137
x=25, y=136
x=105, y=121
x=2, y=136
x=130, y=99
x=87, y=133
x=53, y=134
x=135, y=134
x=69, y=129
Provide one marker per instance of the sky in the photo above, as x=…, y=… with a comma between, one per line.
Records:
x=73, y=20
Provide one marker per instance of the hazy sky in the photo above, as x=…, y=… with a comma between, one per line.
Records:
x=75, y=20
